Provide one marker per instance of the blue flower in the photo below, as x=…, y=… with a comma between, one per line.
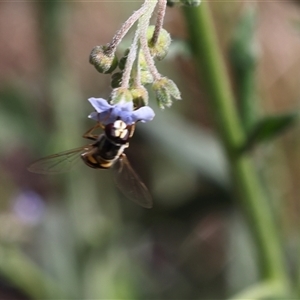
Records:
x=106, y=113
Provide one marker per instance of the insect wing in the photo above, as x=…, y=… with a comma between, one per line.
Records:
x=57, y=163
x=130, y=184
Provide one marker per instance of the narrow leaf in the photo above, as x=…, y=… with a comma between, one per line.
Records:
x=243, y=55
x=269, y=128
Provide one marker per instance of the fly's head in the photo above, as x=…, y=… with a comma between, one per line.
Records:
x=119, y=131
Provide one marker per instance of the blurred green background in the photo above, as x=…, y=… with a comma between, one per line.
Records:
x=74, y=236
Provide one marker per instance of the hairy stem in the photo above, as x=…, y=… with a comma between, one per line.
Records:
x=162, y=4
x=137, y=68
x=130, y=60
x=144, y=24
x=124, y=29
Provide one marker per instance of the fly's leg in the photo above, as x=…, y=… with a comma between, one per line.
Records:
x=89, y=135
x=132, y=128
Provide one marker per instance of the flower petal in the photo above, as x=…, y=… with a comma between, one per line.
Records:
x=122, y=107
x=143, y=114
x=106, y=113
x=127, y=117
x=123, y=111
x=93, y=115
x=100, y=104
x=104, y=117
x=127, y=106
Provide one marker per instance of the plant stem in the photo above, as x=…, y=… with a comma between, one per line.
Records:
x=210, y=62
x=130, y=60
x=144, y=23
x=162, y=4
x=125, y=28
x=27, y=275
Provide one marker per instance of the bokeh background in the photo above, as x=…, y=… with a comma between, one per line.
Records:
x=75, y=232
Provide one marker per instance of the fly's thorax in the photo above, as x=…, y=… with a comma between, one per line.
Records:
x=119, y=132
x=109, y=146
x=104, y=153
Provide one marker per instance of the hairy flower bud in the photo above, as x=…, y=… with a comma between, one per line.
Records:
x=120, y=95
x=103, y=62
x=116, y=80
x=165, y=89
x=146, y=77
x=122, y=61
x=160, y=49
x=140, y=96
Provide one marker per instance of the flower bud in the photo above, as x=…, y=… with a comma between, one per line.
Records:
x=103, y=62
x=120, y=95
x=165, y=89
x=140, y=96
x=122, y=61
x=160, y=49
x=116, y=80
x=146, y=77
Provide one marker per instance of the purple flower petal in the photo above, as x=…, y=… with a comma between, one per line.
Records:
x=123, y=107
x=127, y=118
x=93, y=115
x=106, y=113
x=128, y=106
x=123, y=111
x=100, y=104
x=143, y=114
x=105, y=117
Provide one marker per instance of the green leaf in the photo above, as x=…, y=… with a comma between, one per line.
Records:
x=243, y=50
x=243, y=55
x=269, y=128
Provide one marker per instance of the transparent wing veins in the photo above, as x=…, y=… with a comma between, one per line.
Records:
x=130, y=184
x=57, y=163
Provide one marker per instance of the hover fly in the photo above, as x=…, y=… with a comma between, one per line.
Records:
x=106, y=152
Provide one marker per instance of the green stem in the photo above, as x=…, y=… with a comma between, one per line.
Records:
x=64, y=97
x=263, y=290
x=210, y=62
x=27, y=276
